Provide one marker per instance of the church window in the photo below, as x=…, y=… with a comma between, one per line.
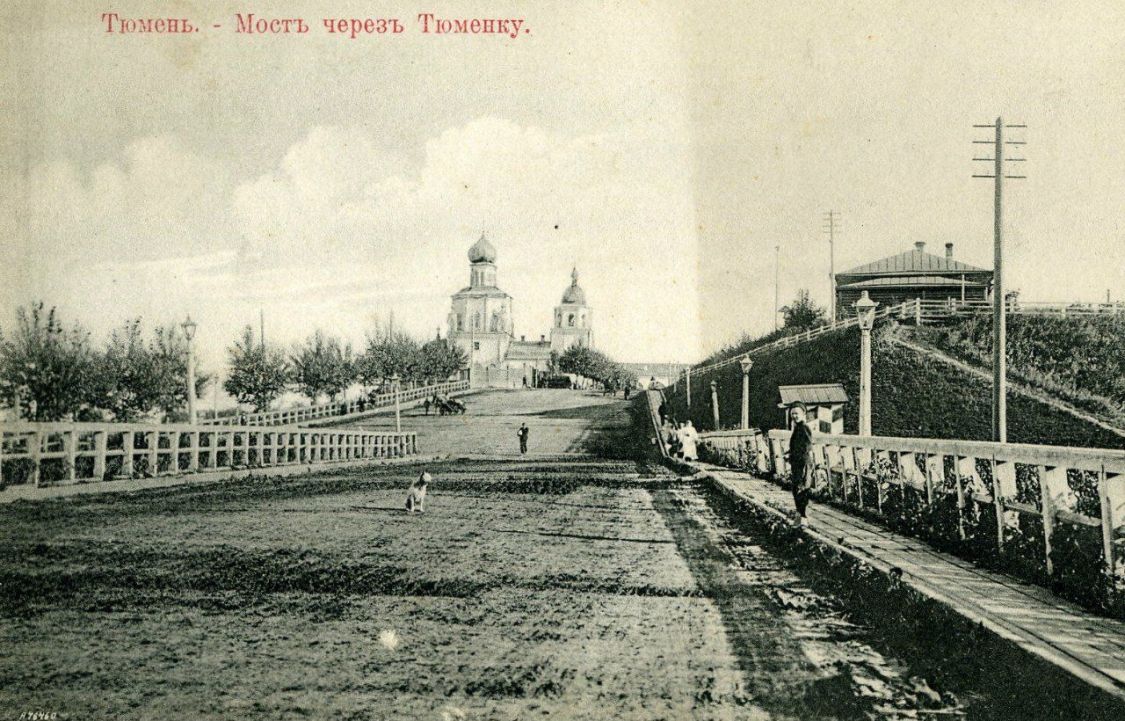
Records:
x=570, y=320
x=495, y=325
x=476, y=345
x=476, y=321
x=460, y=322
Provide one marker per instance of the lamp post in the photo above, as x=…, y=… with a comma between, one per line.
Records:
x=746, y=364
x=398, y=417
x=715, y=403
x=865, y=309
x=189, y=327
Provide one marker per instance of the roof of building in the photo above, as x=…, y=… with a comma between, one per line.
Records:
x=528, y=350
x=815, y=394
x=574, y=295
x=914, y=261
x=912, y=281
x=482, y=251
x=481, y=292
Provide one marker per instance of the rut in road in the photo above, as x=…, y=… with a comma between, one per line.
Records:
x=801, y=654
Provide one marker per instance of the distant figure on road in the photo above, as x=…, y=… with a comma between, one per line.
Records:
x=663, y=412
x=426, y=405
x=800, y=462
x=523, y=433
x=688, y=437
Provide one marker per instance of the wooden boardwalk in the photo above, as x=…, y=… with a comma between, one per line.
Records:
x=1088, y=646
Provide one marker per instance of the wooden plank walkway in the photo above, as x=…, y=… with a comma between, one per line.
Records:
x=1088, y=646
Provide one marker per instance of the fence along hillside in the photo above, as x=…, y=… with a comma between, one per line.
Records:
x=922, y=312
x=913, y=395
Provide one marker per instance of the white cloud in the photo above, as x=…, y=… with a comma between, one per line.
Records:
x=341, y=231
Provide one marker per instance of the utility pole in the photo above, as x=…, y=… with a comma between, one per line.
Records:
x=262, y=326
x=776, y=283
x=831, y=225
x=999, y=302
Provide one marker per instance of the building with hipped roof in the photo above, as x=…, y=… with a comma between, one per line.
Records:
x=910, y=275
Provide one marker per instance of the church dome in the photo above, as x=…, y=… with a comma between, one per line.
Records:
x=482, y=251
x=574, y=295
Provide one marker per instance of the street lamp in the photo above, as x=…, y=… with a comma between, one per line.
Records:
x=398, y=417
x=746, y=364
x=189, y=327
x=715, y=403
x=865, y=310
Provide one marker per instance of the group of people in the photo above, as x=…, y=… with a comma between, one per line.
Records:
x=682, y=439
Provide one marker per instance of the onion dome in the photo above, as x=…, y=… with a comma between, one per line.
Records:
x=482, y=251
x=574, y=295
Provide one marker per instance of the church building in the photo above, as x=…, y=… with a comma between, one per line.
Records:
x=480, y=323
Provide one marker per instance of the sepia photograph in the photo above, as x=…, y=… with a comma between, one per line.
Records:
x=562, y=359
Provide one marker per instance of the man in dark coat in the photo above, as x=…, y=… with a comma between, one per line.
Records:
x=800, y=461
x=523, y=433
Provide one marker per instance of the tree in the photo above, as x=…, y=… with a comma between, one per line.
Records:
x=321, y=366
x=135, y=379
x=803, y=314
x=386, y=355
x=258, y=372
x=439, y=359
x=46, y=367
x=595, y=365
x=126, y=385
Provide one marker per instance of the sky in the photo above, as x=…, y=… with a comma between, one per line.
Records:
x=665, y=148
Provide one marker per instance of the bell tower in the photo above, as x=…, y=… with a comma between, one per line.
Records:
x=573, y=318
x=480, y=319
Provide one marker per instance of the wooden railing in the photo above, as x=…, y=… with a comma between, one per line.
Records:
x=919, y=311
x=942, y=309
x=49, y=453
x=340, y=410
x=902, y=310
x=998, y=484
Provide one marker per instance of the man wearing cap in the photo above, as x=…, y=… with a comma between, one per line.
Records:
x=800, y=462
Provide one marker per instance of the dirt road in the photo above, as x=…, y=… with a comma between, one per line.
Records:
x=559, y=586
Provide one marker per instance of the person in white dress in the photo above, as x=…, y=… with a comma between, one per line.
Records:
x=688, y=437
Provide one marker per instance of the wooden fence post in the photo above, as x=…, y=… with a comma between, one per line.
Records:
x=100, y=438
x=153, y=440
x=72, y=455
x=193, y=450
x=35, y=449
x=1107, y=529
x=1049, y=478
x=127, y=443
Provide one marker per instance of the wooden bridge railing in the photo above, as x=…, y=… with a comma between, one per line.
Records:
x=998, y=486
x=49, y=453
x=325, y=411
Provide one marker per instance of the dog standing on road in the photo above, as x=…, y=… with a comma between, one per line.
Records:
x=416, y=496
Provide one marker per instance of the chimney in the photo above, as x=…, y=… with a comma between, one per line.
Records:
x=919, y=246
x=949, y=251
